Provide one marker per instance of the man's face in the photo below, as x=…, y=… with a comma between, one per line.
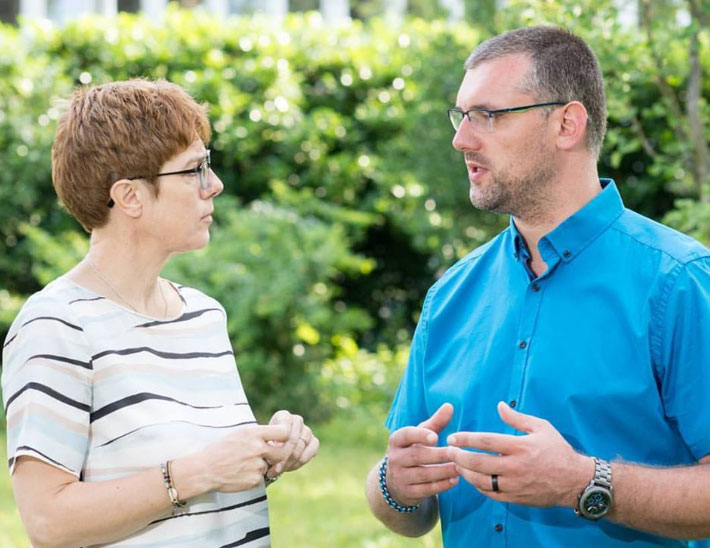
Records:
x=511, y=167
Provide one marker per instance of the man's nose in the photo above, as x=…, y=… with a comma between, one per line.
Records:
x=466, y=137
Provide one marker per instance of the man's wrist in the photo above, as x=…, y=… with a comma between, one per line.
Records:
x=595, y=500
x=583, y=474
x=389, y=499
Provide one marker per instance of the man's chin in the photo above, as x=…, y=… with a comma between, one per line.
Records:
x=486, y=203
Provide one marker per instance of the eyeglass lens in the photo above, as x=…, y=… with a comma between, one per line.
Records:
x=456, y=117
x=204, y=174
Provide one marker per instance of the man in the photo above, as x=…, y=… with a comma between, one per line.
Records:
x=554, y=394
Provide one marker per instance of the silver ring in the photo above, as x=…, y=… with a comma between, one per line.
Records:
x=494, y=483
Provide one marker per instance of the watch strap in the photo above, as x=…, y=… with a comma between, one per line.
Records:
x=602, y=473
x=601, y=480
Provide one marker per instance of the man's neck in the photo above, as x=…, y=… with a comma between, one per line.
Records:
x=570, y=195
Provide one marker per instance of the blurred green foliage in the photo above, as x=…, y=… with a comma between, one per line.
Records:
x=343, y=197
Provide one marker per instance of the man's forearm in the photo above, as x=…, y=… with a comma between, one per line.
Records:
x=413, y=524
x=671, y=502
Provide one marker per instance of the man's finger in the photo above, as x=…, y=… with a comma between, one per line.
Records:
x=429, y=474
x=485, y=441
x=421, y=455
x=426, y=490
x=440, y=419
x=409, y=435
x=482, y=482
x=477, y=462
x=520, y=421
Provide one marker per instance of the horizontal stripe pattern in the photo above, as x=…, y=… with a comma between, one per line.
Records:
x=184, y=515
x=184, y=318
x=50, y=392
x=103, y=393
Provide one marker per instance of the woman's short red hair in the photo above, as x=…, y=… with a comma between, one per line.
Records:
x=116, y=131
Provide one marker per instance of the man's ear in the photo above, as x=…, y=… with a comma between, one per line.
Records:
x=572, y=129
x=127, y=197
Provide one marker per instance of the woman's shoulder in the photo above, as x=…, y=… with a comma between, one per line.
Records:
x=195, y=299
x=49, y=308
x=54, y=301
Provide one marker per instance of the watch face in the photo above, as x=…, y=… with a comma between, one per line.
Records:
x=596, y=502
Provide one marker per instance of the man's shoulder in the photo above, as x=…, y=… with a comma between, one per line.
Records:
x=659, y=238
x=465, y=266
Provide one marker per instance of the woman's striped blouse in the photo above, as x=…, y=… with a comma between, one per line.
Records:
x=102, y=392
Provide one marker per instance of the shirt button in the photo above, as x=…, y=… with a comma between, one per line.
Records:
x=513, y=403
x=535, y=288
x=567, y=254
x=523, y=344
x=498, y=527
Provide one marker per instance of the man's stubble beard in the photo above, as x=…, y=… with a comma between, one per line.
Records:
x=526, y=196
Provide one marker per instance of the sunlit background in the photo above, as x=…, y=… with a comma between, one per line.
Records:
x=344, y=200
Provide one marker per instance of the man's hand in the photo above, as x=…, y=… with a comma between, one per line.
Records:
x=538, y=469
x=416, y=468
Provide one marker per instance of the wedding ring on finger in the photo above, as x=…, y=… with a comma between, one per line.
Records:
x=494, y=483
x=268, y=481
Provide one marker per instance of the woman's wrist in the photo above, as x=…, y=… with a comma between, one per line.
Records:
x=190, y=476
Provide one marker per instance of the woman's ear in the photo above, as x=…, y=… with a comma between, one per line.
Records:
x=126, y=196
x=572, y=130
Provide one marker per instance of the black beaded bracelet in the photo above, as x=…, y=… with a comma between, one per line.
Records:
x=386, y=494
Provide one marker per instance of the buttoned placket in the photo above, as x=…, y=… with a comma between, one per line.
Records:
x=534, y=293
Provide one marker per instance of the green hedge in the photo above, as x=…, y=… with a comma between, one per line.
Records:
x=343, y=197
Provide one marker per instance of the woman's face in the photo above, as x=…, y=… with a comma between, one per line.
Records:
x=180, y=217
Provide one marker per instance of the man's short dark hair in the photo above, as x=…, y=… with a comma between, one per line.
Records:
x=564, y=68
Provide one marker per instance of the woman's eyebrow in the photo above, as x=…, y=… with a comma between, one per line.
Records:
x=196, y=158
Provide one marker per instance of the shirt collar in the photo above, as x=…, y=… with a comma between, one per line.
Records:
x=519, y=246
x=579, y=230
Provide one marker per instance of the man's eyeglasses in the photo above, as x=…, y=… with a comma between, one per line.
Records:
x=482, y=118
x=202, y=171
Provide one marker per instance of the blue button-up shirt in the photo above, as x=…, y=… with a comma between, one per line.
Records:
x=611, y=345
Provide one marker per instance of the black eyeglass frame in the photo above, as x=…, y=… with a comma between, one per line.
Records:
x=492, y=112
x=202, y=171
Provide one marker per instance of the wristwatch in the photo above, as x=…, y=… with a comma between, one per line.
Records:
x=597, y=497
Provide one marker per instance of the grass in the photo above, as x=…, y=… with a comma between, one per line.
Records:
x=321, y=506
x=12, y=533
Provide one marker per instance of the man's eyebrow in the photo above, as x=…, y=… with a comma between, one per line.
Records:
x=475, y=107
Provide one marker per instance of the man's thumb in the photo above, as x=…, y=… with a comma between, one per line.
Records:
x=440, y=419
x=519, y=421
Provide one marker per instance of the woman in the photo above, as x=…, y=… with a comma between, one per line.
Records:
x=127, y=423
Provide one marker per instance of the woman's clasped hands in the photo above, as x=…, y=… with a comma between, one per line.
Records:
x=247, y=457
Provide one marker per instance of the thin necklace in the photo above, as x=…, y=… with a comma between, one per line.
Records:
x=115, y=291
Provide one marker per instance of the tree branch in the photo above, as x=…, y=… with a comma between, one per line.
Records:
x=641, y=134
x=701, y=152
x=664, y=87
